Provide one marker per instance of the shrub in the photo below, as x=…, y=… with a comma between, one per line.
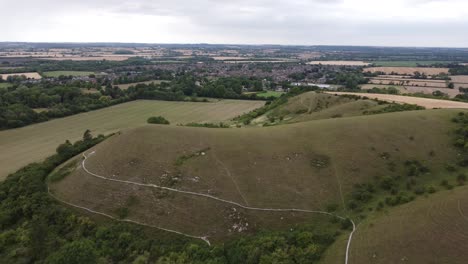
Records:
x=420, y=190
x=332, y=207
x=461, y=178
x=158, y=120
x=122, y=212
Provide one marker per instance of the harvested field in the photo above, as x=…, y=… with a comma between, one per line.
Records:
x=406, y=63
x=29, y=75
x=408, y=70
x=409, y=82
x=413, y=89
x=97, y=58
x=340, y=63
x=429, y=90
x=35, y=142
x=425, y=102
x=230, y=58
x=459, y=78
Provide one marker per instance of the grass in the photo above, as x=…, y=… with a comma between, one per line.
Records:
x=61, y=172
x=19, y=147
x=432, y=229
x=126, y=86
x=314, y=106
x=269, y=94
x=67, y=73
x=406, y=63
x=5, y=85
x=246, y=166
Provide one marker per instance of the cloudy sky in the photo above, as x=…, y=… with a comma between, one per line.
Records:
x=309, y=22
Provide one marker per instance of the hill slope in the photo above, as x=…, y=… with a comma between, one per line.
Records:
x=308, y=165
x=314, y=106
x=428, y=230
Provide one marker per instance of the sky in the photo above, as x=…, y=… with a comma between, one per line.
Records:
x=292, y=22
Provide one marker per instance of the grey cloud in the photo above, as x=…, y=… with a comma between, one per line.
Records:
x=245, y=21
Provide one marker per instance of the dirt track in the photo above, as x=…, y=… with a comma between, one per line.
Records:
x=425, y=102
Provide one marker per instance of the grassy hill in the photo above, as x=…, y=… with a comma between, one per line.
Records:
x=308, y=165
x=432, y=229
x=313, y=106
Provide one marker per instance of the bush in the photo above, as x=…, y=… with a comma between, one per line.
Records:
x=158, y=120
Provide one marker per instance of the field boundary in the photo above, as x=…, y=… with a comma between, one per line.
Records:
x=204, y=238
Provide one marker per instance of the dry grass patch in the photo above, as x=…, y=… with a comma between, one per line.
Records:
x=340, y=63
x=408, y=70
x=29, y=75
x=425, y=102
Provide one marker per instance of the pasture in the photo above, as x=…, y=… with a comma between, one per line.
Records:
x=56, y=74
x=407, y=70
x=270, y=94
x=29, y=75
x=5, y=85
x=35, y=142
x=127, y=85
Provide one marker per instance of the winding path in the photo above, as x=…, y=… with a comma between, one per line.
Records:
x=204, y=238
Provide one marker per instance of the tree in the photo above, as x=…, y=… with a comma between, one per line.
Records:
x=76, y=252
x=87, y=136
x=158, y=120
x=65, y=149
x=451, y=85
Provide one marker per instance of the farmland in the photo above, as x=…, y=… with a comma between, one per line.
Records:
x=425, y=102
x=407, y=70
x=340, y=63
x=405, y=63
x=35, y=142
x=29, y=75
x=67, y=73
x=125, y=86
x=270, y=94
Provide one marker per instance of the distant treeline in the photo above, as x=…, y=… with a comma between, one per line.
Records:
x=17, y=103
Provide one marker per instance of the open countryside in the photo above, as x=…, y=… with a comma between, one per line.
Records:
x=36, y=142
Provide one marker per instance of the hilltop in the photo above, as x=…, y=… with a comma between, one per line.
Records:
x=309, y=165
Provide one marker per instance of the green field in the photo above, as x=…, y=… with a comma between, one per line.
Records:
x=35, y=142
x=405, y=63
x=125, y=86
x=67, y=73
x=270, y=94
x=5, y=85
